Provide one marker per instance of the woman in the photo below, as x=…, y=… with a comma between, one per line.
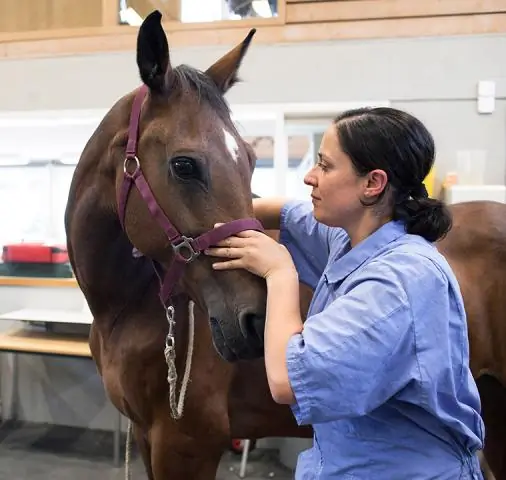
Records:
x=380, y=367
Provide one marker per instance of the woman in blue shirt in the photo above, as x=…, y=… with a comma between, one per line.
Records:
x=380, y=368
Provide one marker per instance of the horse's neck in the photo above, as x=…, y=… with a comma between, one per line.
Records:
x=101, y=256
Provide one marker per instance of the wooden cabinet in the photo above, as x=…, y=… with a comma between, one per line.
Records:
x=36, y=15
x=311, y=11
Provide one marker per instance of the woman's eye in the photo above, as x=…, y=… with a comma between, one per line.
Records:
x=184, y=168
x=322, y=165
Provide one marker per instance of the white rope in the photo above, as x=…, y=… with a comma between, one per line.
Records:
x=170, y=358
x=128, y=446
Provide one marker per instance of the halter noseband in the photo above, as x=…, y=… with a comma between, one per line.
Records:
x=186, y=249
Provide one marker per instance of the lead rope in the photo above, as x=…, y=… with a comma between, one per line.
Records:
x=170, y=357
x=128, y=445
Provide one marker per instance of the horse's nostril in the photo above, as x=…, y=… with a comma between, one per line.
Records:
x=252, y=327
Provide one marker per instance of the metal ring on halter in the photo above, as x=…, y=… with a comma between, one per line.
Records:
x=137, y=165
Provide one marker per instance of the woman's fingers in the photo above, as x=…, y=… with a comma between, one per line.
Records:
x=228, y=265
x=225, y=252
x=234, y=242
x=249, y=234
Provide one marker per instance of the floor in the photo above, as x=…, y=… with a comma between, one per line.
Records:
x=38, y=452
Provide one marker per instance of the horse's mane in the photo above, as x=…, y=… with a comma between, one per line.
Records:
x=184, y=78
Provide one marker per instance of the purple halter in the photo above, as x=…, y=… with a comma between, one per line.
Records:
x=186, y=249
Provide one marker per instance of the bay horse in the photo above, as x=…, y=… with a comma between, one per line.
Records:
x=167, y=159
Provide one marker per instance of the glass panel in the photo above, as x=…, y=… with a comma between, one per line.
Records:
x=215, y=10
x=61, y=177
x=132, y=12
x=304, y=139
x=24, y=203
x=262, y=182
x=300, y=160
x=259, y=130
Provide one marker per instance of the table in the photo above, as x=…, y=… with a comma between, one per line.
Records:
x=49, y=316
x=35, y=342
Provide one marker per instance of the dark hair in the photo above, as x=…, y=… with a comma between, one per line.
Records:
x=398, y=143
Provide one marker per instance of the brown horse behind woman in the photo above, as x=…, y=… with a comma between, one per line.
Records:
x=167, y=159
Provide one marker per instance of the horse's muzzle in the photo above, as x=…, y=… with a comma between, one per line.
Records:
x=238, y=346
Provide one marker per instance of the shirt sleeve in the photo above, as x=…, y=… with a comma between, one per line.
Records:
x=309, y=242
x=359, y=351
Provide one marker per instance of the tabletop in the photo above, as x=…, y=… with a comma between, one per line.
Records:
x=49, y=316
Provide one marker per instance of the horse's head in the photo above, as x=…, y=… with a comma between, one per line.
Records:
x=197, y=170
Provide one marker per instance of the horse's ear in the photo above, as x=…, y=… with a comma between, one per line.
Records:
x=224, y=71
x=153, y=57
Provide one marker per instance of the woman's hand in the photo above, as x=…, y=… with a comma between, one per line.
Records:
x=254, y=251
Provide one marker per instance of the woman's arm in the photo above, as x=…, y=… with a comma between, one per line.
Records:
x=268, y=211
x=282, y=322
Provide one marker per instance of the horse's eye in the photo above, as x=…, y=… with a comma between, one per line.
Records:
x=184, y=168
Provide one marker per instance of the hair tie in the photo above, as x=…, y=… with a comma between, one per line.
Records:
x=420, y=191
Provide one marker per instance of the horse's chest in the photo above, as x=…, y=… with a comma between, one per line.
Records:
x=108, y=369
x=111, y=376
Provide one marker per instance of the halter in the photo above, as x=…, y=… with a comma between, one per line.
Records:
x=186, y=249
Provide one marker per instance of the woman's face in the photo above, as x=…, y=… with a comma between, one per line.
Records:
x=337, y=188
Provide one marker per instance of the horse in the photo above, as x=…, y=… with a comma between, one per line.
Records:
x=170, y=150
x=165, y=159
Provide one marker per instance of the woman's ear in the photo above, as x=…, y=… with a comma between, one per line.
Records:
x=376, y=182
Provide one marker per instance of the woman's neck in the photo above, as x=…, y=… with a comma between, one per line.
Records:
x=366, y=226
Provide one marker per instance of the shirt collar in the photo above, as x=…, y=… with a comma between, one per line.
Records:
x=367, y=248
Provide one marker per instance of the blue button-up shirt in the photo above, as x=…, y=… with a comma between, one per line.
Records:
x=381, y=369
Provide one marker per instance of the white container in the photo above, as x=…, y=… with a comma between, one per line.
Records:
x=466, y=193
x=471, y=166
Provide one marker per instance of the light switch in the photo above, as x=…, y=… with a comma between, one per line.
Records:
x=486, y=88
x=486, y=104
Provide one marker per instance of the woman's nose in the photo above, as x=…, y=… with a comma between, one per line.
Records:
x=310, y=178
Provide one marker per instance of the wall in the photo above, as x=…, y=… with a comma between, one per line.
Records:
x=435, y=78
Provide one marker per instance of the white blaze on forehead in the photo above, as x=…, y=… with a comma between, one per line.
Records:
x=231, y=144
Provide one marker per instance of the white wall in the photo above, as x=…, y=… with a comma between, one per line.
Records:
x=435, y=78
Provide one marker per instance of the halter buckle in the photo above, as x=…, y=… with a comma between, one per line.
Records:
x=185, y=245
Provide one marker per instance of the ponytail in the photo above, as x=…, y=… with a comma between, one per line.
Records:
x=427, y=217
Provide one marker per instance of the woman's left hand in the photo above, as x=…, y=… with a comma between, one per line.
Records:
x=253, y=251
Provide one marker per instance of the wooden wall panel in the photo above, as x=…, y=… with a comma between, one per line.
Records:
x=349, y=10
x=36, y=15
x=300, y=21
x=170, y=9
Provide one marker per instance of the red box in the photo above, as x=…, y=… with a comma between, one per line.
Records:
x=35, y=253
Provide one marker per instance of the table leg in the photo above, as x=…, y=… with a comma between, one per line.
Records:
x=14, y=406
x=244, y=458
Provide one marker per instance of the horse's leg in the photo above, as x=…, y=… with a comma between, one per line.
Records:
x=493, y=400
x=177, y=456
x=144, y=449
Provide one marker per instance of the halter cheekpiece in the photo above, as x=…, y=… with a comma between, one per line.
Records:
x=186, y=249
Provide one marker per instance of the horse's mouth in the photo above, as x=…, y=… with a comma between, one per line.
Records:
x=231, y=349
